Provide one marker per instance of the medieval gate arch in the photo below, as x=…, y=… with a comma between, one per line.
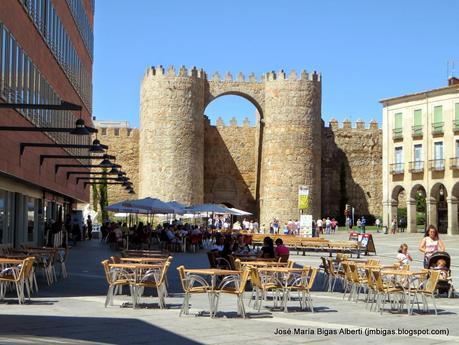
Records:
x=172, y=135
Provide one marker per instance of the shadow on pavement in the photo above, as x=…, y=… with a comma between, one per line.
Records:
x=70, y=330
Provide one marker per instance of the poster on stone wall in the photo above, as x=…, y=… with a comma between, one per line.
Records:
x=303, y=197
x=306, y=225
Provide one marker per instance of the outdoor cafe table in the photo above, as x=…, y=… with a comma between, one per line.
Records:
x=264, y=263
x=213, y=273
x=282, y=275
x=405, y=280
x=142, y=260
x=136, y=269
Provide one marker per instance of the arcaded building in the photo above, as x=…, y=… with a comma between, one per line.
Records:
x=176, y=154
x=421, y=156
x=46, y=57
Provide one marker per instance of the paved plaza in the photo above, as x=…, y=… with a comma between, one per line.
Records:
x=72, y=311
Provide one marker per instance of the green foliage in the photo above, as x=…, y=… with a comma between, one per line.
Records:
x=95, y=197
x=103, y=201
x=420, y=203
x=402, y=212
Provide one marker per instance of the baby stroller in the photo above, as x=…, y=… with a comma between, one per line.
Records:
x=445, y=284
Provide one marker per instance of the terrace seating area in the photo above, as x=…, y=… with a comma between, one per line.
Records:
x=19, y=269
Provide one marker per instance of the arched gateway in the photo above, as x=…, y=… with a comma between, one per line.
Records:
x=172, y=130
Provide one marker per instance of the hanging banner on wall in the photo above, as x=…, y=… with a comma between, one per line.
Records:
x=303, y=197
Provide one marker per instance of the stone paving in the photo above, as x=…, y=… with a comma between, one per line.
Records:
x=72, y=310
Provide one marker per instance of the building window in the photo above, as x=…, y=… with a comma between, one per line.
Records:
x=117, y=131
x=397, y=167
x=438, y=162
x=104, y=131
x=418, y=162
x=31, y=219
x=417, y=123
x=398, y=126
x=456, y=117
x=437, y=125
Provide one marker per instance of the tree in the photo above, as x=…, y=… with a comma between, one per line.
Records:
x=103, y=200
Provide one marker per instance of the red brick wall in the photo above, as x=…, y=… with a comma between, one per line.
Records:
x=16, y=19
x=13, y=15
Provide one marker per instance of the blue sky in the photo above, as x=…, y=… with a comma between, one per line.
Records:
x=365, y=50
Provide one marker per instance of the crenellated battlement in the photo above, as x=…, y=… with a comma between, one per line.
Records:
x=171, y=71
x=116, y=132
x=233, y=123
x=348, y=125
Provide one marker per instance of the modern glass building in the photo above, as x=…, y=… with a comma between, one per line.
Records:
x=46, y=57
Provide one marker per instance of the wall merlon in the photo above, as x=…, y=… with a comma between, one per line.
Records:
x=183, y=72
x=233, y=122
x=240, y=77
x=216, y=76
x=246, y=122
x=171, y=71
x=292, y=75
x=347, y=124
x=220, y=122
x=228, y=76
x=281, y=75
x=252, y=78
x=304, y=75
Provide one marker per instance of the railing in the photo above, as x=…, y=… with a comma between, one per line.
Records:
x=437, y=164
x=397, y=133
x=397, y=168
x=416, y=166
x=456, y=125
x=416, y=131
x=454, y=163
x=437, y=128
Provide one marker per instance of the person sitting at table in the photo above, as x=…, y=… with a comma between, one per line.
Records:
x=281, y=251
x=219, y=244
x=240, y=247
x=403, y=256
x=228, y=246
x=267, y=251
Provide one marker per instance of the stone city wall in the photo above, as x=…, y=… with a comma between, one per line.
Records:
x=352, y=168
x=230, y=164
x=124, y=144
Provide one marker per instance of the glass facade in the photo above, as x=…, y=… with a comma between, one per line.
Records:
x=31, y=219
x=48, y=23
x=81, y=19
x=6, y=229
x=22, y=82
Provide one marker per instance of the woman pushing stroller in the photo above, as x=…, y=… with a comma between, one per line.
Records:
x=431, y=244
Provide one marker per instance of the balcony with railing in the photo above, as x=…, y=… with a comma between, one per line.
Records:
x=416, y=167
x=437, y=164
x=437, y=128
x=454, y=163
x=397, y=168
x=397, y=133
x=416, y=131
x=456, y=126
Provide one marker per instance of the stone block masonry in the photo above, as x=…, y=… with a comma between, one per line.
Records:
x=124, y=144
x=181, y=157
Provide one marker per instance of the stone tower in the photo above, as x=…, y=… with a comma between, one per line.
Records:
x=291, y=145
x=171, y=141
